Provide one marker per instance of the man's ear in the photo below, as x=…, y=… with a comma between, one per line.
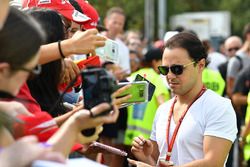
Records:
x=202, y=64
x=4, y=68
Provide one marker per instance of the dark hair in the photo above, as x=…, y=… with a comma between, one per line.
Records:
x=152, y=54
x=189, y=42
x=50, y=21
x=44, y=88
x=20, y=38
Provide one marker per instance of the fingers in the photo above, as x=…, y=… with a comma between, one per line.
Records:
x=118, y=101
x=75, y=68
x=111, y=117
x=92, y=31
x=66, y=78
x=119, y=91
x=138, y=163
x=121, y=100
x=138, y=144
x=132, y=162
x=100, y=108
x=87, y=41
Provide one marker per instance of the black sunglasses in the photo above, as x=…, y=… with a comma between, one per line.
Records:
x=233, y=49
x=175, y=69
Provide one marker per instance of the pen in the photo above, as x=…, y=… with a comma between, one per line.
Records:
x=110, y=149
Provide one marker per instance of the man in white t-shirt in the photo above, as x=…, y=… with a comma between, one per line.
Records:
x=114, y=22
x=207, y=121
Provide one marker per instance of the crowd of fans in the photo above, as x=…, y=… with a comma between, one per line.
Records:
x=44, y=47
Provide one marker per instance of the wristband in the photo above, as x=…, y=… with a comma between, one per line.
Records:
x=60, y=49
x=242, y=139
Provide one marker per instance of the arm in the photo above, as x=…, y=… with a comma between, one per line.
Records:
x=70, y=131
x=215, y=152
x=239, y=99
x=161, y=99
x=240, y=91
x=61, y=119
x=25, y=151
x=230, y=85
x=81, y=43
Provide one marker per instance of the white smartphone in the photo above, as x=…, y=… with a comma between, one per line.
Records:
x=109, y=52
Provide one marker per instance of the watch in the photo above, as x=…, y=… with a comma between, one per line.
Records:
x=242, y=139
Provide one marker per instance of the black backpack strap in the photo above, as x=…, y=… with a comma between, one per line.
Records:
x=240, y=61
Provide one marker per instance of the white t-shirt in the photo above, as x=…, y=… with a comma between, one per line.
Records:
x=123, y=52
x=216, y=59
x=210, y=115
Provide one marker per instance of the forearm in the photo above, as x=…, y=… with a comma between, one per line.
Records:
x=63, y=140
x=202, y=163
x=50, y=52
x=230, y=84
x=61, y=119
x=239, y=99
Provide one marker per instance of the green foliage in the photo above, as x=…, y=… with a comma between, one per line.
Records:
x=134, y=10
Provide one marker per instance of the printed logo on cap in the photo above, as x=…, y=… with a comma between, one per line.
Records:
x=41, y=2
x=79, y=17
x=94, y=24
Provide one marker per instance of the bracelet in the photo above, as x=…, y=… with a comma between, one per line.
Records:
x=242, y=139
x=60, y=49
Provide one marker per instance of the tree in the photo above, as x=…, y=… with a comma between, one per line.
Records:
x=135, y=10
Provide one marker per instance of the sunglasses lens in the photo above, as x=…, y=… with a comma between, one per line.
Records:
x=177, y=69
x=163, y=70
x=233, y=49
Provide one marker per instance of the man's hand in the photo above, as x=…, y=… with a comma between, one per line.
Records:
x=138, y=163
x=142, y=148
x=119, y=101
x=86, y=42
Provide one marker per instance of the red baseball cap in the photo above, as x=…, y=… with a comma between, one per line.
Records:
x=61, y=6
x=90, y=12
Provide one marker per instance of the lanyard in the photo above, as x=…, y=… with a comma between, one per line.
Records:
x=171, y=144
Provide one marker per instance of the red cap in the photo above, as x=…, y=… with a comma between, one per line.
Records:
x=89, y=11
x=61, y=6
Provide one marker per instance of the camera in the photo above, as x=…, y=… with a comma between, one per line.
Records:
x=98, y=85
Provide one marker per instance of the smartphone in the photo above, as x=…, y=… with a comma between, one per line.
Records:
x=109, y=52
x=151, y=87
x=138, y=90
